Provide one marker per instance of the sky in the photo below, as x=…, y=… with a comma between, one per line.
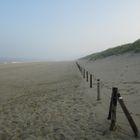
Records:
x=66, y=29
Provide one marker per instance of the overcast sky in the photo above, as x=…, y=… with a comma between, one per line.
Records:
x=66, y=29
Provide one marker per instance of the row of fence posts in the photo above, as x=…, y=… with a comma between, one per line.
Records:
x=89, y=78
x=116, y=97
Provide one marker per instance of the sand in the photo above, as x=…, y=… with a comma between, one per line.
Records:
x=51, y=101
x=123, y=72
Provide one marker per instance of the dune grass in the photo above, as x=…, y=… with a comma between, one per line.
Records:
x=131, y=47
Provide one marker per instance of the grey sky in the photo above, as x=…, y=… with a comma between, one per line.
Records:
x=66, y=29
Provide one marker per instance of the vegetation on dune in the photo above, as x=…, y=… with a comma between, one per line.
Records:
x=131, y=47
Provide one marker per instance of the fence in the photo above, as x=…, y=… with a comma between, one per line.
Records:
x=114, y=99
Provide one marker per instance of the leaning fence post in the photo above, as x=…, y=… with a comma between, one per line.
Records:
x=87, y=75
x=98, y=89
x=128, y=116
x=114, y=107
x=90, y=80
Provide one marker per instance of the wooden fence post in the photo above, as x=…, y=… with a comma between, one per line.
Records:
x=80, y=69
x=90, y=80
x=87, y=75
x=77, y=65
x=128, y=116
x=113, y=108
x=84, y=73
x=98, y=89
x=110, y=108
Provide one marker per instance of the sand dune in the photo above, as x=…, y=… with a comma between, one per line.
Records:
x=51, y=101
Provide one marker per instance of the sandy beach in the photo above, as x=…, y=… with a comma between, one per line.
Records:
x=51, y=100
x=123, y=72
